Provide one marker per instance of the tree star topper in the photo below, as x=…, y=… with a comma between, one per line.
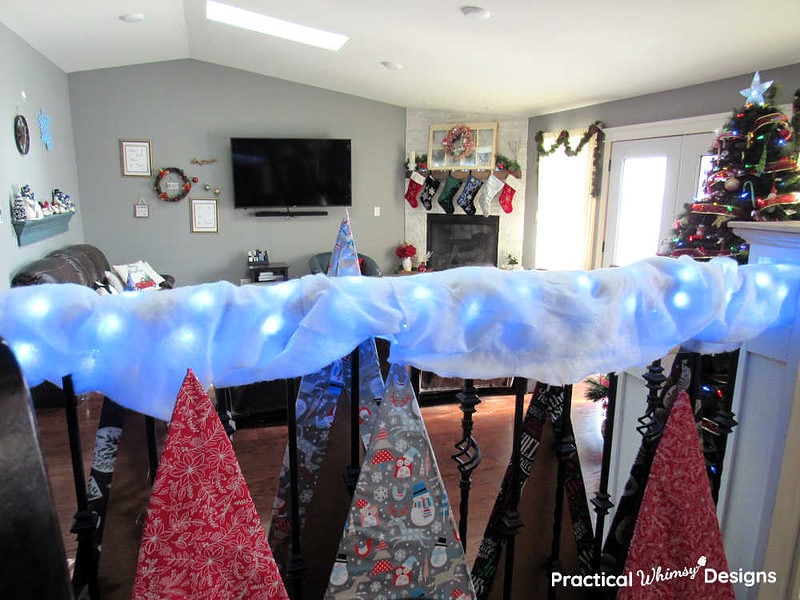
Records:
x=755, y=93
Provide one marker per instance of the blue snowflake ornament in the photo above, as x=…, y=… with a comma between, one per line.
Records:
x=44, y=130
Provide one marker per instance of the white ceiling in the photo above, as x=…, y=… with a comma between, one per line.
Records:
x=529, y=58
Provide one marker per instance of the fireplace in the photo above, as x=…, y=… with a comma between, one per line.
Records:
x=461, y=240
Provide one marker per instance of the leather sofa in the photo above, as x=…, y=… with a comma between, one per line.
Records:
x=83, y=264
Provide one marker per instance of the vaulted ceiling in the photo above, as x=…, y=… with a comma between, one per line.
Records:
x=528, y=58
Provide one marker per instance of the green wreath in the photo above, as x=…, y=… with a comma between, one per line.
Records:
x=184, y=190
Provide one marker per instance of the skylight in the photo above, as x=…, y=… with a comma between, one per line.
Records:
x=246, y=19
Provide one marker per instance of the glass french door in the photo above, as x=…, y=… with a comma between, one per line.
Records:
x=649, y=182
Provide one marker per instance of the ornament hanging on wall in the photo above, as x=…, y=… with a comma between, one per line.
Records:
x=172, y=184
x=22, y=135
x=44, y=129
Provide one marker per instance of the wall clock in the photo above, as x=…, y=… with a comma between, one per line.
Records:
x=22, y=135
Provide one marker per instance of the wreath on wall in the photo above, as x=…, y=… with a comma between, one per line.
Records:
x=459, y=141
x=183, y=190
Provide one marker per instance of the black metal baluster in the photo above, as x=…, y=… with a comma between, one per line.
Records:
x=725, y=420
x=564, y=444
x=511, y=521
x=354, y=468
x=468, y=456
x=86, y=521
x=651, y=425
x=602, y=499
x=297, y=564
x=152, y=447
x=225, y=410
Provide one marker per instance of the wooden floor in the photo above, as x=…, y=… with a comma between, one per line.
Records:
x=260, y=452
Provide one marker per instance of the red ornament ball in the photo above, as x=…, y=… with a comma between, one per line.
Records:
x=195, y=179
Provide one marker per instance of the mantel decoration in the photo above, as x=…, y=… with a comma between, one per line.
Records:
x=462, y=146
x=459, y=141
x=166, y=179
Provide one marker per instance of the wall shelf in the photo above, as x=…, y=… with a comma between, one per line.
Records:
x=36, y=230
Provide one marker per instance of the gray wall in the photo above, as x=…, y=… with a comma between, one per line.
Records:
x=45, y=86
x=190, y=109
x=705, y=99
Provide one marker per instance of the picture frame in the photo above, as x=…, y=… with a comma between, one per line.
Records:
x=204, y=215
x=141, y=210
x=136, y=158
x=481, y=157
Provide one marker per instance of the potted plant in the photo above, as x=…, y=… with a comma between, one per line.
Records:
x=405, y=252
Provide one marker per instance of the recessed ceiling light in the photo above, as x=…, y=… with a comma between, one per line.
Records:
x=132, y=17
x=246, y=19
x=475, y=12
x=392, y=66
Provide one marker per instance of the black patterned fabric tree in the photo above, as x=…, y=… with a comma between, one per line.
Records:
x=754, y=176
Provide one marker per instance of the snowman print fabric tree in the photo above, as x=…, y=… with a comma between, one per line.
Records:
x=401, y=539
x=753, y=176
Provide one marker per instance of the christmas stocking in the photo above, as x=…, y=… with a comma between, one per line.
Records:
x=489, y=192
x=413, y=189
x=429, y=191
x=507, y=194
x=449, y=190
x=467, y=195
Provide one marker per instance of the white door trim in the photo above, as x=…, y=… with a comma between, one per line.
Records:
x=684, y=126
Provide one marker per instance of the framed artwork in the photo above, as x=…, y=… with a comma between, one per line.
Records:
x=136, y=158
x=462, y=146
x=205, y=215
x=141, y=210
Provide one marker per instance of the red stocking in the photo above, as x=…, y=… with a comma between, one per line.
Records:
x=414, y=188
x=507, y=194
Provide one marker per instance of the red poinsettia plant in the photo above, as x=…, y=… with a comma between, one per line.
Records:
x=405, y=250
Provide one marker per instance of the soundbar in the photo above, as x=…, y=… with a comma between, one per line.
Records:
x=288, y=213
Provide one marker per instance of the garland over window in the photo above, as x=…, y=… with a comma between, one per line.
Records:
x=595, y=129
x=563, y=140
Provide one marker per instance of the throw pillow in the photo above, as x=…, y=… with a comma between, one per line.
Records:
x=141, y=274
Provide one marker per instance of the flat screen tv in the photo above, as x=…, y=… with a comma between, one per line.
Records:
x=291, y=172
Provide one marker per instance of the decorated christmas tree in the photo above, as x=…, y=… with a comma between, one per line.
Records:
x=753, y=177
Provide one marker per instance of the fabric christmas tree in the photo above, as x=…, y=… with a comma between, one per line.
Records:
x=677, y=529
x=547, y=404
x=203, y=537
x=401, y=540
x=753, y=176
x=317, y=398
